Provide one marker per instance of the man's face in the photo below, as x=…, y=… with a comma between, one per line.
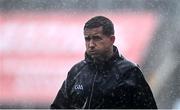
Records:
x=97, y=44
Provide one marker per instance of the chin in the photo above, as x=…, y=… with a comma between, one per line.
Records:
x=95, y=56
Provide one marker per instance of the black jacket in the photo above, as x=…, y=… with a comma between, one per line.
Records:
x=114, y=84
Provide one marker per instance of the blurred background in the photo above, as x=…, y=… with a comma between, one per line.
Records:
x=40, y=40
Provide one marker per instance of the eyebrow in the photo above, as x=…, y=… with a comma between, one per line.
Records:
x=95, y=34
x=86, y=36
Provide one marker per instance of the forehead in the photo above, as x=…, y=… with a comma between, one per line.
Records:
x=93, y=31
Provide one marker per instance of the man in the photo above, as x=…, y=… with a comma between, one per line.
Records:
x=104, y=79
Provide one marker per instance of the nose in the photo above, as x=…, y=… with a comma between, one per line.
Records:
x=91, y=44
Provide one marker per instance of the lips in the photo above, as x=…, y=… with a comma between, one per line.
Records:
x=92, y=52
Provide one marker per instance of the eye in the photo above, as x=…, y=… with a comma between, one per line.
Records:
x=87, y=38
x=97, y=38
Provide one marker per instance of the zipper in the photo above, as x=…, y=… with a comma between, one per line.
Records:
x=92, y=90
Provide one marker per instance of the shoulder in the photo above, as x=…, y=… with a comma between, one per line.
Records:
x=131, y=72
x=77, y=67
x=126, y=65
x=129, y=69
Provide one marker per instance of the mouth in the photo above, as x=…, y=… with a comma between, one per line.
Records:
x=92, y=52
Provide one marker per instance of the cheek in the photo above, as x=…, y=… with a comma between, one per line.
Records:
x=108, y=43
x=86, y=44
x=105, y=45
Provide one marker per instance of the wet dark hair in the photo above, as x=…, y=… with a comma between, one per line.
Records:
x=98, y=21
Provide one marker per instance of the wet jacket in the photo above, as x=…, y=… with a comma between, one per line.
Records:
x=114, y=84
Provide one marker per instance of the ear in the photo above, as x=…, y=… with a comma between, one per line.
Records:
x=112, y=38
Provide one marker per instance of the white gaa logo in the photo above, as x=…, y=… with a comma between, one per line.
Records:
x=79, y=86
